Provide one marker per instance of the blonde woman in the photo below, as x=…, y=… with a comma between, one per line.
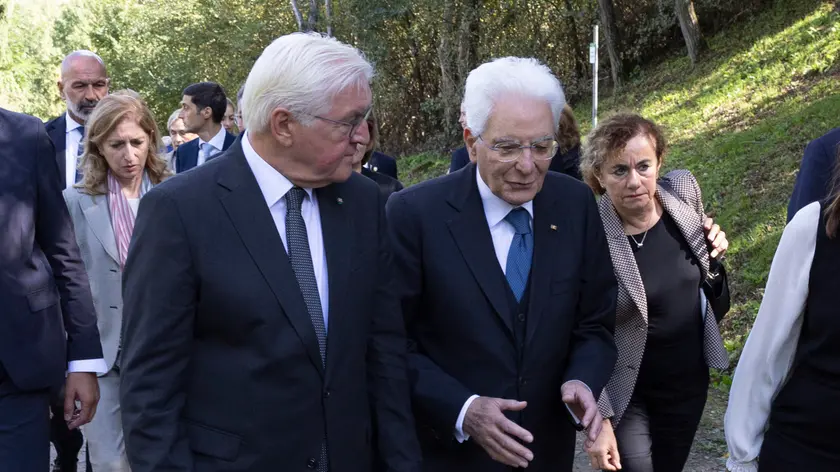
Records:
x=120, y=164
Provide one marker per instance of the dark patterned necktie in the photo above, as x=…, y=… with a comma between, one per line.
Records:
x=301, y=259
x=518, y=265
x=80, y=151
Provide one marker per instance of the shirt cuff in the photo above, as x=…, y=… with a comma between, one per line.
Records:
x=459, y=424
x=574, y=416
x=95, y=366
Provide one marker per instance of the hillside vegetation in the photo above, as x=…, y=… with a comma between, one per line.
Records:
x=739, y=121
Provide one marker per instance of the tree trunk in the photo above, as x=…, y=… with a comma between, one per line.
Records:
x=313, y=15
x=298, y=16
x=690, y=28
x=328, y=14
x=448, y=80
x=468, y=38
x=605, y=7
x=577, y=47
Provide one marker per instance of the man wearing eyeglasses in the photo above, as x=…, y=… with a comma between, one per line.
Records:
x=261, y=330
x=507, y=288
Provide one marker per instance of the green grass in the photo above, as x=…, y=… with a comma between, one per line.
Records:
x=739, y=121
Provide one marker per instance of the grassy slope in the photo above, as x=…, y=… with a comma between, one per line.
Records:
x=740, y=121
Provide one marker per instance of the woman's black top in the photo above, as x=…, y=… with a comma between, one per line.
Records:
x=671, y=277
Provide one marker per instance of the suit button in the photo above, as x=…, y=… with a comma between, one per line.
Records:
x=327, y=394
x=520, y=317
x=311, y=463
x=523, y=381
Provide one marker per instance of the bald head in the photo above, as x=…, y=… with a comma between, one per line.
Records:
x=83, y=82
x=82, y=59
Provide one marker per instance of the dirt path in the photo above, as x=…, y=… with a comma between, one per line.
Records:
x=709, y=449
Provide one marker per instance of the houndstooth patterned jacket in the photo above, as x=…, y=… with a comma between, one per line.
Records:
x=679, y=194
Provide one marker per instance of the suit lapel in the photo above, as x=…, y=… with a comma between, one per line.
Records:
x=337, y=230
x=472, y=236
x=545, y=257
x=246, y=208
x=57, y=131
x=98, y=216
x=690, y=224
x=626, y=270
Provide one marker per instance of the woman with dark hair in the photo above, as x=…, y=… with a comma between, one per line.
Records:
x=567, y=159
x=672, y=295
x=782, y=413
x=120, y=164
x=387, y=184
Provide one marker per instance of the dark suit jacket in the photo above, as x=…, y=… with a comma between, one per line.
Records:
x=57, y=131
x=567, y=163
x=384, y=164
x=221, y=369
x=460, y=159
x=47, y=316
x=387, y=185
x=186, y=156
x=812, y=183
x=461, y=334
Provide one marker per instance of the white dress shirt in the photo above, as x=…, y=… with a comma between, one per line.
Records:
x=217, y=142
x=73, y=138
x=274, y=187
x=765, y=363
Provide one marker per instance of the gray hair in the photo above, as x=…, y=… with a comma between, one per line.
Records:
x=509, y=75
x=174, y=116
x=301, y=72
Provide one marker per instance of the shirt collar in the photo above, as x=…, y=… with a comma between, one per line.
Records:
x=217, y=141
x=71, y=124
x=273, y=184
x=496, y=209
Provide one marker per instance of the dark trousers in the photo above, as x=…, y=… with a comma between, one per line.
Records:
x=67, y=443
x=24, y=428
x=656, y=432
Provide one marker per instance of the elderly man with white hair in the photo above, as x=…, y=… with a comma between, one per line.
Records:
x=260, y=331
x=507, y=288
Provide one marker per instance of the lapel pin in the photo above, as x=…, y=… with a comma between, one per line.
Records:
x=339, y=200
x=553, y=227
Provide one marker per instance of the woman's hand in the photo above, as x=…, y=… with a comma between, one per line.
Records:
x=717, y=238
x=603, y=453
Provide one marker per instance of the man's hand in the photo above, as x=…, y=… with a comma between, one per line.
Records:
x=489, y=427
x=84, y=388
x=583, y=405
x=603, y=455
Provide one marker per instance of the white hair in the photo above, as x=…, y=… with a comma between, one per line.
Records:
x=509, y=75
x=301, y=72
x=174, y=116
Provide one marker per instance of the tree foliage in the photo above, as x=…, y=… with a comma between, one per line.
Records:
x=423, y=49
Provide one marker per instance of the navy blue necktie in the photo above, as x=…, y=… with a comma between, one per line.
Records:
x=518, y=265
x=80, y=151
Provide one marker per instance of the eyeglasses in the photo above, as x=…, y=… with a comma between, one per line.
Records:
x=352, y=125
x=542, y=150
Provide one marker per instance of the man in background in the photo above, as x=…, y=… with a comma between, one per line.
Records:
x=82, y=84
x=203, y=108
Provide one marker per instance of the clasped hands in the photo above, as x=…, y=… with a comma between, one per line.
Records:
x=505, y=441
